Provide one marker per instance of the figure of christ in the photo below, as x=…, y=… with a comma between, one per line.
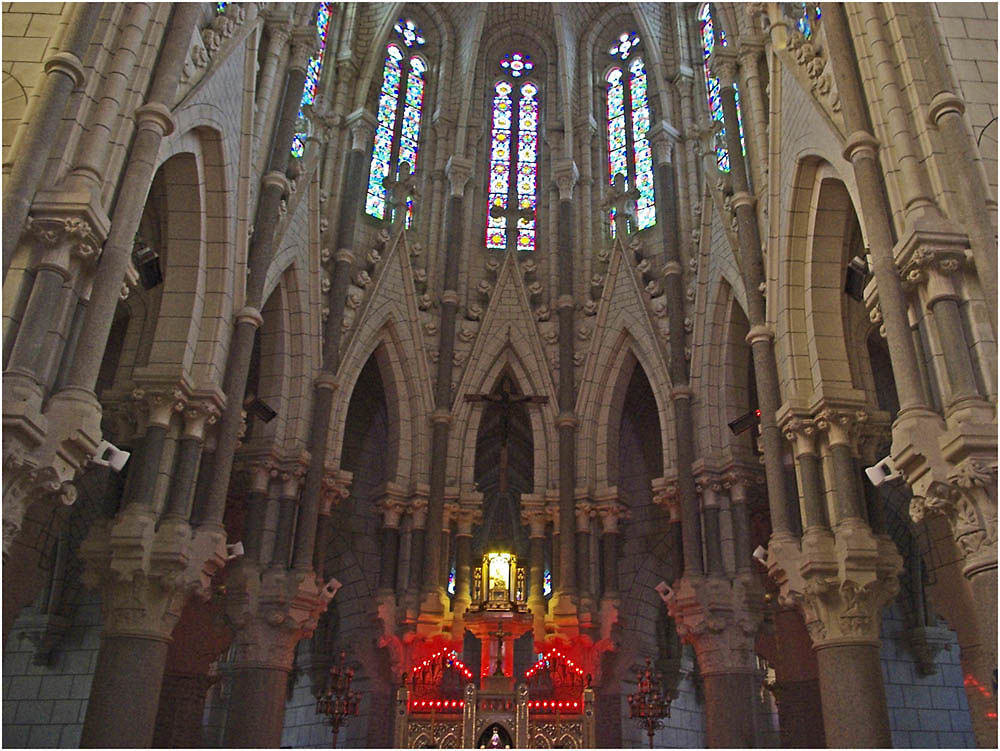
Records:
x=506, y=399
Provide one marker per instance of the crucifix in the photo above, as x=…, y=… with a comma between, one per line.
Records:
x=506, y=399
x=397, y=191
x=622, y=200
x=500, y=634
x=513, y=216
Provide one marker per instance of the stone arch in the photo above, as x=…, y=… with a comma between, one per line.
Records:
x=404, y=399
x=182, y=260
x=614, y=364
x=462, y=443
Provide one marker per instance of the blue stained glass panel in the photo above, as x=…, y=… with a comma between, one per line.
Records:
x=313, y=70
x=527, y=177
x=496, y=228
x=646, y=204
x=385, y=123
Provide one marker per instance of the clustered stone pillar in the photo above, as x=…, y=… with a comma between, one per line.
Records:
x=536, y=579
x=566, y=604
x=63, y=73
x=847, y=581
x=584, y=514
x=307, y=554
x=432, y=606
x=680, y=392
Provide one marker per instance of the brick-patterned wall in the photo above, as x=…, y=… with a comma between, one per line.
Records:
x=44, y=705
x=970, y=30
x=29, y=32
x=924, y=711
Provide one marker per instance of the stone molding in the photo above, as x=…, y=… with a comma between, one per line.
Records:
x=667, y=494
x=336, y=488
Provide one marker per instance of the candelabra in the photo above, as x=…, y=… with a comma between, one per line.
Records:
x=649, y=704
x=338, y=702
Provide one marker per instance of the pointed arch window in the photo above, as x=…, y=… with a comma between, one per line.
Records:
x=714, y=89
x=629, y=152
x=313, y=71
x=397, y=129
x=515, y=121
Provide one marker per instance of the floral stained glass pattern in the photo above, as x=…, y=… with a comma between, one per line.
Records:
x=313, y=71
x=527, y=168
x=714, y=89
x=629, y=119
x=517, y=64
x=384, y=130
x=503, y=108
x=397, y=127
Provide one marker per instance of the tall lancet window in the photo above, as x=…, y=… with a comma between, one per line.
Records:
x=629, y=153
x=313, y=71
x=397, y=129
x=513, y=151
x=715, y=90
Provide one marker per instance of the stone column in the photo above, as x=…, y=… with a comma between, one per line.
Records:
x=145, y=575
x=720, y=619
x=160, y=403
x=802, y=434
x=584, y=514
x=565, y=607
x=839, y=428
x=289, y=480
x=274, y=187
x=796, y=686
x=67, y=247
x=428, y=566
x=197, y=416
x=536, y=581
x=713, y=534
x=306, y=552
x=63, y=74
x=256, y=515
x=182, y=704
x=964, y=158
x=737, y=483
x=663, y=138
x=463, y=563
x=610, y=512
x=273, y=612
x=418, y=522
x=761, y=336
x=392, y=509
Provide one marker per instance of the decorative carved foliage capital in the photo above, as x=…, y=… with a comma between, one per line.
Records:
x=64, y=240
x=841, y=425
x=848, y=609
x=669, y=497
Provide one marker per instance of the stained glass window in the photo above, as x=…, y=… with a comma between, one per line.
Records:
x=715, y=90
x=313, y=71
x=806, y=16
x=220, y=7
x=547, y=584
x=397, y=129
x=629, y=152
x=515, y=125
x=451, y=581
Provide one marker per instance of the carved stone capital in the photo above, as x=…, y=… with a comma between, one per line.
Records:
x=667, y=494
x=841, y=425
x=336, y=488
x=199, y=414
x=271, y=612
x=802, y=434
x=160, y=402
x=146, y=573
x=720, y=619
x=566, y=175
x=458, y=169
x=841, y=582
x=64, y=241
x=724, y=64
x=304, y=43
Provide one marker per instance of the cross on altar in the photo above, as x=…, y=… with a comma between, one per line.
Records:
x=506, y=399
x=512, y=215
x=500, y=634
x=397, y=190
x=623, y=202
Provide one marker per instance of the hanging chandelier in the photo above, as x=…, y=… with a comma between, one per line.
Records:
x=649, y=704
x=338, y=702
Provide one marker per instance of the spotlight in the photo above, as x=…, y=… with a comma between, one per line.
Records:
x=259, y=408
x=147, y=263
x=745, y=422
x=857, y=275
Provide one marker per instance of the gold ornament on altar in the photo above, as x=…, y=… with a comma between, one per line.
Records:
x=498, y=584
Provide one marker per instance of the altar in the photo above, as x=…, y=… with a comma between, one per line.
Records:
x=445, y=704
